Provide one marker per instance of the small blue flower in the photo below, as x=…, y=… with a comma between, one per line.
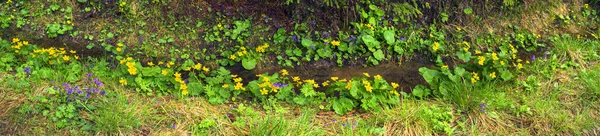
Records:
x=27, y=70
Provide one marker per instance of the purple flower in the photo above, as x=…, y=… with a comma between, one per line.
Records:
x=87, y=96
x=98, y=83
x=313, y=23
x=343, y=124
x=482, y=106
x=390, y=19
x=401, y=38
x=174, y=126
x=141, y=39
x=532, y=58
x=102, y=93
x=295, y=38
x=69, y=91
x=27, y=70
x=279, y=85
x=89, y=74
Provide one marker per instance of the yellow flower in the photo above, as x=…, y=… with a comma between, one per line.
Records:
x=120, y=44
x=234, y=76
x=369, y=88
x=587, y=6
x=377, y=77
x=310, y=81
x=219, y=25
x=130, y=64
x=316, y=85
x=239, y=86
x=184, y=91
x=264, y=91
x=123, y=81
x=14, y=40
x=25, y=43
x=366, y=74
x=205, y=69
x=160, y=63
x=520, y=66
x=334, y=78
x=477, y=52
x=66, y=58
x=239, y=79
x=123, y=4
x=150, y=63
x=164, y=72
x=72, y=51
x=132, y=71
x=495, y=56
x=296, y=79
x=129, y=58
x=395, y=85
x=177, y=75
x=444, y=66
x=474, y=78
x=326, y=83
x=335, y=43
x=198, y=66
x=232, y=57
x=284, y=72
x=225, y=85
x=481, y=60
x=68, y=21
x=348, y=85
x=119, y=49
x=493, y=75
x=188, y=68
x=458, y=28
x=436, y=46
x=122, y=61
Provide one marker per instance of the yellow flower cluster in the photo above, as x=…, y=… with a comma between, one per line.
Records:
x=475, y=77
x=495, y=56
x=238, y=83
x=60, y=54
x=262, y=47
x=284, y=72
x=335, y=43
x=123, y=82
x=239, y=53
x=130, y=65
x=122, y=3
x=368, y=26
x=481, y=60
x=310, y=81
x=182, y=86
x=18, y=44
x=493, y=75
x=267, y=84
x=367, y=86
x=120, y=47
x=436, y=46
x=467, y=46
x=378, y=77
x=514, y=51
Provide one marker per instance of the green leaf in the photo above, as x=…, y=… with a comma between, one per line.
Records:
x=195, y=88
x=389, y=37
x=466, y=57
x=428, y=74
x=151, y=71
x=506, y=75
x=421, y=91
x=378, y=54
x=249, y=64
x=371, y=42
x=343, y=105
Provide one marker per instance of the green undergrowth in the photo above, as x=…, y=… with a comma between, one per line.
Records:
x=149, y=79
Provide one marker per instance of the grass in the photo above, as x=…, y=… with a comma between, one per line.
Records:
x=557, y=95
x=559, y=106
